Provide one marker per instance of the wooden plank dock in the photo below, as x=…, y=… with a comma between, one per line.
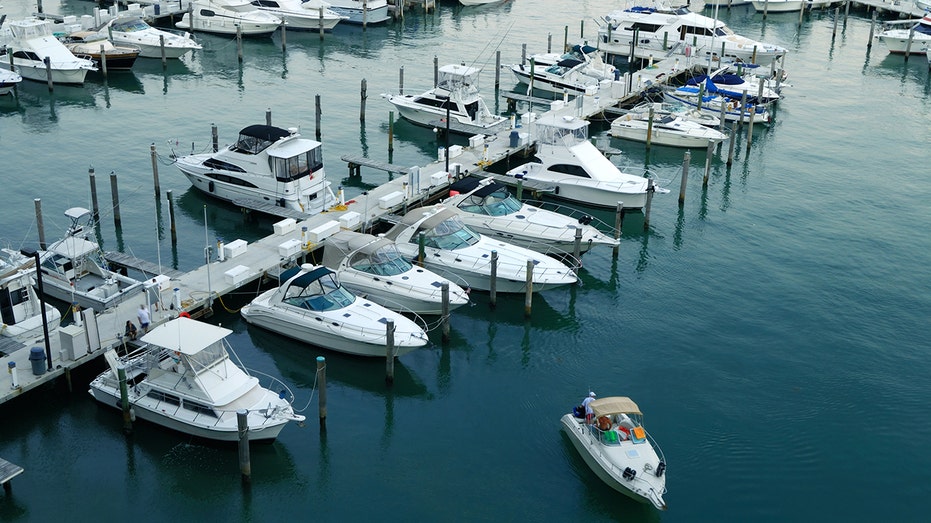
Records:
x=8, y=471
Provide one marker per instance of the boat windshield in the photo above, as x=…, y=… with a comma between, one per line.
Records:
x=207, y=357
x=561, y=135
x=386, y=261
x=130, y=26
x=450, y=234
x=498, y=203
x=322, y=294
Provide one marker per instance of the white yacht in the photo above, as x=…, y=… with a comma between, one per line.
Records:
x=228, y=17
x=306, y=15
x=265, y=163
x=8, y=80
x=133, y=30
x=27, y=44
x=372, y=267
x=312, y=306
x=662, y=30
x=456, y=92
x=576, y=169
x=779, y=6
x=618, y=449
x=361, y=11
x=581, y=69
x=20, y=306
x=488, y=208
x=74, y=269
x=184, y=377
x=451, y=247
x=664, y=129
x=896, y=37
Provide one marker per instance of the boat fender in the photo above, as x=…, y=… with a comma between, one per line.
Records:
x=660, y=469
x=556, y=190
x=629, y=474
x=210, y=186
x=730, y=106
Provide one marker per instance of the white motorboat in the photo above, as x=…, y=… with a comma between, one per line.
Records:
x=676, y=109
x=618, y=449
x=312, y=306
x=133, y=30
x=715, y=104
x=451, y=247
x=669, y=130
x=662, y=30
x=306, y=15
x=733, y=86
x=577, y=71
x=372, y=267
x=88, y=44
x=20, y=306
x=266, y=163
x=477, y=2
x=897, y=36
x=488, y=208
x=456, y=92
x=31, y=43
x=779, y=6
x=361, y=11
x=228, y=17
x=184, y=377
x=74, y=269
x=8, y=80
x=576, y=169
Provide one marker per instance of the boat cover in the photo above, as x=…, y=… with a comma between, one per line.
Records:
x=185, y=335
x=614, y=405
x=343, y=243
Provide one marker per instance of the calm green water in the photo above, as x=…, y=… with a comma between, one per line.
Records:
x=772, y=329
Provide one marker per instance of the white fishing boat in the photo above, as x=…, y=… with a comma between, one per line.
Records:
x=576, y=169
x=899, y=34
x=8, y=80
x=306, y=15
x=716, y=104
x=312, y=306
x=488, y=208
x=372, y=267
x=96, y=46
x=184, y=377
x=667, y=129
x=74, y=269
x=457, y=93
x=228, y=17
x=618, y=449
x=450, y=247
x=779, y=6
x=20, y=306
x=676, y=109
x=26, y=45
x=133, y=30
x=662, y=30
x=579, y=70
x=265, y=163
x=361, y=11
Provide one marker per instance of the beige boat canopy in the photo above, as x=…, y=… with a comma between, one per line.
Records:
x=614, y=405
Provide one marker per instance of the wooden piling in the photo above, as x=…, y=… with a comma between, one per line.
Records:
x=154, y=155
x=215, y=137
x=39, y=223
x=618, y=225
x=245, y=465
x=436, y=71
x=161, y=46
x=528, y=291
x=523, y=53
x=577, y=245
x=908, y=45
x=171, y=217
x=115, y=198
x=685, y=176
x=268, y=116
x=801, y=14
x=362, y=97
x=836, y=16
x=239, y=42
x=48, y=72
x=401, y=80
x=650, y=128
x=869, y=43
x=565, y=39
x=389, y=349
x=497, y=68
x=743, y=106
x=317, y=112
x=284, y=37
x=421, y=242
x=93, y=181
x=321, y=390
x=320, y=25
x=124, y=400
x=646, y=210
x=704, y=181
x=493, y=281
x=444, y=289
x=103, y=61
x=390, y=131
x=549, y=42
x=730, y=146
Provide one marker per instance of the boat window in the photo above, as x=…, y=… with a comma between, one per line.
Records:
x=322, y=294
x=498, y=203
x=199, y=408
x=290, y=169
x=693, y=30
x=265, y=3
x=643, y=27
x=220, y=165
x=27, y=55
x=570, y=169
x=207, y=357
x=164, y=398
x=130, y=26
x=386, y=261
x=450, y=234
x=423, y=100
x=207, y=12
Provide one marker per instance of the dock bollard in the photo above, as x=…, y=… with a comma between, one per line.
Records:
x=389, y=352
x=528, y=293
x=493, y=283
x=321, y=392
x=245, y=466
x=14, y=375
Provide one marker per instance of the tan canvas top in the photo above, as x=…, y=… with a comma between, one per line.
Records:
x=614, y=405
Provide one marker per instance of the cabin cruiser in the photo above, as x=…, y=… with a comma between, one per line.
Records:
x=662, y=30
x=8, y=80
x=228, y=17
x=488, y=208
x=96, y=46
x=451, y=247
x=896, y=37
x=133, y=30
x=609, y=435
x=25, y=45
x=186, y=377
x=568, y=161
x=361, y=11
x=20, y=306
x=577, y=71
x=306, y=15
x=373, y=268
x=312, y=306
x=664, y=129
x=455, y=94
x=266, y=163
x=74, y=269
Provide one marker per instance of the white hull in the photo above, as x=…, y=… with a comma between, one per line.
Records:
x=301, y=22
x=423, y=117
x=549, y=83
x=356, y=15
x=586, y=191
x=896, y=41
x=36, y=71
x=778, y=6
x=713, y=108
x=391, y=293
x=691, y=137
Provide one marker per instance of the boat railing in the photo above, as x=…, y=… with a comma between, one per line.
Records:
x=572, y=212
x=273, y=384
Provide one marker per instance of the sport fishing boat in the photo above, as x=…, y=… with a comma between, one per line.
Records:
x=451, y=247
x=578, y=172
x=457, y=93
x=618, y=449
x=373, y=268
x=306, y=15
x=20, y=306
x=266, y=163
x=312, y=306
x=489, y=208
x=27, y=44
x=133, y=30
x=228, y=17
x=361, y=11
x=577, y=71
x=184, y=377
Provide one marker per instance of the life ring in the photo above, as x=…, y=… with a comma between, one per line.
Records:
x=604, y=423
x=184, y=314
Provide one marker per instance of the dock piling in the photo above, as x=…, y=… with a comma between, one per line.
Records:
x=268, y=116
x=577, y=245
x=320, y=24
x=390, y=352
x=115, y=198
x=528, y=292
x=124, y=400
x=685, y=176
x=436, y=71
x=171, y=217
x=646, y=210
x=161, y=45
x=444, y=289
x=497, y=69
x=401, y=80
x=869, y=43
x=836, y=16
x=317, y=113
x=39, y=223
x=704, y=181
x=239, y=43
x=103, y=61
x=493, y=281
x=549, y=42
x=390, y=131
x=154, y=155
x=215, y=137
x=321, y=393
x=618, y=225
x=362, y=97
x=730, y=146
x=48, y=72
x=284, y=37
x=245, y=465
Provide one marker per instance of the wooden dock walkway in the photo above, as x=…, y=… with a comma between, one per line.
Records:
x=8, y=471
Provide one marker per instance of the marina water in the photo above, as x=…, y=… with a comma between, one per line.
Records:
x=771, y=328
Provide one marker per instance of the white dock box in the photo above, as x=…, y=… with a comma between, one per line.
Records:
x=390, y=200
x=322, y=232
x=350, y=220
x=439, y=178
x=235, y=248
x=73, y=342
x=476, y=140
x=236, y=275
x=285, y=226
x=289, y=248
x=455, y=150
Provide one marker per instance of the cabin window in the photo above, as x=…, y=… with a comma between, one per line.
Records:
x=220, y=165
x=643, y=28
x=450, y=234
x=27, y=55
x=207, y=12
x=265, y=3
x=164, y=398
x=290, y=169
x=199, y=408
x=570, y=169
x=441, y=104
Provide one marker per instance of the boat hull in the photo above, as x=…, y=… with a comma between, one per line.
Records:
x=91, y=291
x=36, y=71
x=778, y=6
x=637, y=131
x=229, y=26
x=463, y=125
x=378, y=15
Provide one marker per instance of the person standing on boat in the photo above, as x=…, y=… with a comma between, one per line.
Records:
x=143, y=315
x=586, y=403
